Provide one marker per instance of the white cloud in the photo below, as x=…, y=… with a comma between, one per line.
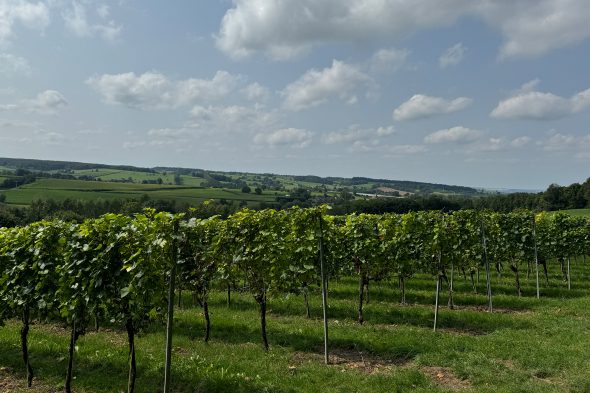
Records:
x=388, y=60
x=566, y=143
x=288, y=28
x=103, y=11
x=293, y=137
x=172, y=133
x=422, y=106
x=232, y=118
x=405, y=149
x=453, y=135
x=526, y=103
x=11, y=65
x=581, y=101
x=256, y=92
x=533, y=28
x=153, y=90
x=356, y=134
x=520, y=141
x=315, y=87
x=47, y=102
x=385, y=131
x=76, y=21
x=33, y=15
x=497, y=144
x=452, y=56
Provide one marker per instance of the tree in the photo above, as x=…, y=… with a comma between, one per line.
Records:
x=177, y=179
x=246, y=189
x=257, y=190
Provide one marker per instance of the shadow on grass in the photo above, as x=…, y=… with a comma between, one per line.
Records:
x=110, y=375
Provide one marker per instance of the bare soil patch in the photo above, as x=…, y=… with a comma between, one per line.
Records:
x=350, y=359
x=497, y=310
x=445, y=377
x=9, y=383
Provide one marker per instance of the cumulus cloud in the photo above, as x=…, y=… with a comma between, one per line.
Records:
x=356, y=134
x=76, y=21
x=559, y=142
x=453, y=135
x=48, y=102
x=315, y=87
x=284, y=29
x=397, y=150
x=233, y=118
x=388, y=60
x=527, y=103
x=256, y=92
x=294, y=137
x=152, y=90
x=12, y=65
x=452, y=56
x=422, y=106
x=388, y=150
x=33, y=15
x=172, y=133
x=497, y=144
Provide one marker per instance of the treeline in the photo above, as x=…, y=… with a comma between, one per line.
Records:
x=24, y=176
x=574, y=196
x=79, y=210
x=48, y=165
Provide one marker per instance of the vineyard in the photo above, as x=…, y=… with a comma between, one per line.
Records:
x=125, y=275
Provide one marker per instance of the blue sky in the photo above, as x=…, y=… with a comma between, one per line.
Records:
x=485, y=93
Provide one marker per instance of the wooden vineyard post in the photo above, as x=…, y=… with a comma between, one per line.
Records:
x=170, y=319
x=450, y=303
x=487, y=266
x=438, y=284
x=569, y=280
x=324, y=289
x=536, y=255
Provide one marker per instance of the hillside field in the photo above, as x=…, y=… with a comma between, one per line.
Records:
x=59, y=189
x=525, y=345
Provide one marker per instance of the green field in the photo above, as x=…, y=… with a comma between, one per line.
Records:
x=578, y=212
x=59, y=189
x=525, y=345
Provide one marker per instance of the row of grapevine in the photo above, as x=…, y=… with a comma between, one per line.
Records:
x=122, y=269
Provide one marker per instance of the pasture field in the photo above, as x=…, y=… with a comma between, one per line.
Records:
x=578, y=212
x=525, y=345
x=60, y=189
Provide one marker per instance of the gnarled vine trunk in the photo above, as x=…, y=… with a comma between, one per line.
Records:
x=69, y=374
x=207, y=320
x=261, y=300
x=360, y=317
x=132, y=363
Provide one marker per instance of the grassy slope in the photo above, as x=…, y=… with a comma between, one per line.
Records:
x=525, y=346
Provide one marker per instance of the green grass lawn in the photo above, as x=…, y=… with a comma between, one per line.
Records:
x=525, y=345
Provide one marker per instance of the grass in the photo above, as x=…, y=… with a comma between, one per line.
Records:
x=526, y=345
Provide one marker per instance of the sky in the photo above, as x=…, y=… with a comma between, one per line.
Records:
x=483, y=93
